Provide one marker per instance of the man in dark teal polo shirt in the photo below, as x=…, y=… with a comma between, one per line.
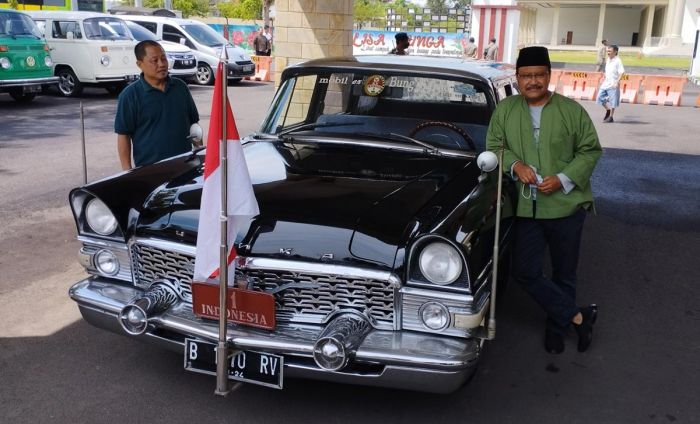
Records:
x=155, y=113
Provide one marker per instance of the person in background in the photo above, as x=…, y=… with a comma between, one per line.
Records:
x=268, y=35
x=609, y=92
x=471, y=50
x=550, y=147
x=491, y=51
x=154, y=114
x=261, y=44
x=600, y=60
x=402, y=44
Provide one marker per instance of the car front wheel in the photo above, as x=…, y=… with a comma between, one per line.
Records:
x=68, y=83
x=205, y=76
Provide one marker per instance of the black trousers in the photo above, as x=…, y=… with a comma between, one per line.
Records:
x=556, y=295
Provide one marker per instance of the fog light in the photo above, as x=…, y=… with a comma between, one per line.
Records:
x=5, y=63
x=133, y=320
x=329, y=354
x=106, y=262
x=434, y=316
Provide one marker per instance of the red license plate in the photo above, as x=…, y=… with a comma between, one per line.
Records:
x=245, y=307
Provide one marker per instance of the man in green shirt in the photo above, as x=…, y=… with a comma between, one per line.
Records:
x=155, y=113
x=551, y=148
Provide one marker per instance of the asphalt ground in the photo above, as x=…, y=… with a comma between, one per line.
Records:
x=638, y=263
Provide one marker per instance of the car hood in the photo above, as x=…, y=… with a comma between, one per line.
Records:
x=316, y=203
x=171, y=47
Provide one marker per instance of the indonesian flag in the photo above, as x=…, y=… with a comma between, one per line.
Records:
x=241, y=199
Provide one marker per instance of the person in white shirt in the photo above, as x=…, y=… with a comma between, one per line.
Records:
x=609, y=93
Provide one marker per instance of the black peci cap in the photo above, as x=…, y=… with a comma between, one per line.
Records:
x=533, y=56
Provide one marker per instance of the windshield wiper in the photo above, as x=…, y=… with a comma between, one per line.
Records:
x=315, y=125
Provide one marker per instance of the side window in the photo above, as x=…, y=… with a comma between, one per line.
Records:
x=151, y=26
x=62, y=28
x=41, y=24
x=170, y=33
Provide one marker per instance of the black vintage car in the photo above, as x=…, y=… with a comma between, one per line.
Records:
x=375, y=234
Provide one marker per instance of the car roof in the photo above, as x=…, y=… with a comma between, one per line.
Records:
x=448, y=66
x=166, y=19
x=67, y=14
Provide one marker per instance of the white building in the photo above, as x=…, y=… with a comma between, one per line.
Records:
x=653, y=26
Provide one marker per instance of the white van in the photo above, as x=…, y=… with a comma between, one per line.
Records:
x=181, y=60
x=204, y=42
x=88, y=48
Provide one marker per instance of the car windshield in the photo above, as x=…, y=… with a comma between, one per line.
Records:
x=204, y=34
x=140, y=33
x=412, y=108
x=17, y=24
x=105, y=28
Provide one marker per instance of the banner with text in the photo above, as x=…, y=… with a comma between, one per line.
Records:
x=421, y=43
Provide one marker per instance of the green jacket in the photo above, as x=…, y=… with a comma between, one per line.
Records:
x=568, y=144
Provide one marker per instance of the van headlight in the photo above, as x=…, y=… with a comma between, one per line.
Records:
x=5, y=63
x=104, y=60
x=47, y=61
x=99, y=217
x=440, y=263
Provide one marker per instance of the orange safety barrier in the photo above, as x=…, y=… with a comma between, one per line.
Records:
x=262, y=68
x=697, y=101
x=554, y=80
x=629, y=87
x=580, y=85
x=663, y=90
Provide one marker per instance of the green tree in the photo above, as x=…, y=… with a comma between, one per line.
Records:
x=365, y=12
x=437, y=7
x=241, y=9
x=14, y=4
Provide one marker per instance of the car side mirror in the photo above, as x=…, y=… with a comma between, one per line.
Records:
x=487, y=161
x=183, y=41
x=195, y=136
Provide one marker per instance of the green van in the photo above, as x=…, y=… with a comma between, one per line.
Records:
x=25, y=63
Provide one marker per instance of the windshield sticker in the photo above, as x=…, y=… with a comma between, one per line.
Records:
x=465, y=89
x=406, y=83
x=375, y=85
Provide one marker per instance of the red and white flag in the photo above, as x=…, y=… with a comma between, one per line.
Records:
x=241, y=199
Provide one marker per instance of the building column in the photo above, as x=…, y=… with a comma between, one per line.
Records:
x=554, y=40
x=311, y=29
x=668, y=17
x=650, y=23
x=601, y=24
x=677, y=18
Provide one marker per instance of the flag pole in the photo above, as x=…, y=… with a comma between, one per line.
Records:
x=222, y=350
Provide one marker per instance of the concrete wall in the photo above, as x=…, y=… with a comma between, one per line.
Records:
x=619, y=24
x=690, y=17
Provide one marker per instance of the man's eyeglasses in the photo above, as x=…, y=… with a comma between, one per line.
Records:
x=539, y=76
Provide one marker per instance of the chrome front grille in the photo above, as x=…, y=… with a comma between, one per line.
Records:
x=312, y=297
x=301, y=296
x=151, y=263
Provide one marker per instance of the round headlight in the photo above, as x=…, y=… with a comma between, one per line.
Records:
x=434, y=316
x=106, y=262
x=104, y=60
x=99, y=217
x=440, y=263
x=48, y=61
x=5, y=63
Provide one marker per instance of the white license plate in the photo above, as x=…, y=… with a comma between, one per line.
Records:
x=264, y=369
x=247, y=68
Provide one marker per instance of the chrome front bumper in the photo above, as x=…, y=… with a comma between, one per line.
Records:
x=29, y=81
x=397, y=359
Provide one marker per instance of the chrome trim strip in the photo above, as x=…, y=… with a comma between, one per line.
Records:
x=317, y=268
x=103, y=243
x=439, y=295
x=391, y=145
x=28, y=81
x=184, y=249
